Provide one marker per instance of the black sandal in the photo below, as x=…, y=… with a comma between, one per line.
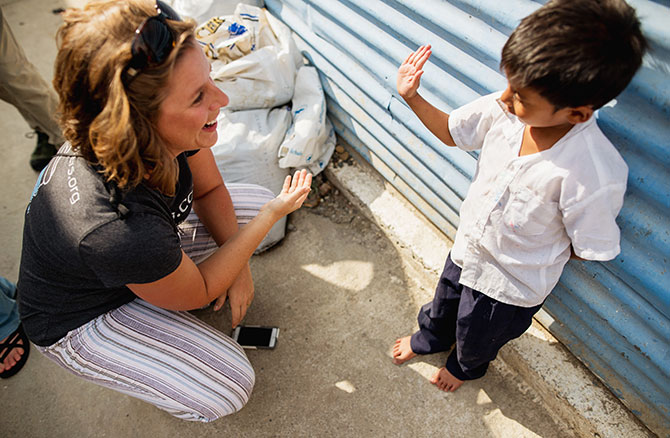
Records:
x=9, y=345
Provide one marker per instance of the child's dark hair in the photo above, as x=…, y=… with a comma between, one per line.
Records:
x=575, y=52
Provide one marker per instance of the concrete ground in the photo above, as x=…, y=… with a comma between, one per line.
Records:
x=340, y=288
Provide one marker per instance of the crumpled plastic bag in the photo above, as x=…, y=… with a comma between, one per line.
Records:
x=254, y=59
x=310, y=141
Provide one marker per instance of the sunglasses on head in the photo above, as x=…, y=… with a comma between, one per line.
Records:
x=153, y=41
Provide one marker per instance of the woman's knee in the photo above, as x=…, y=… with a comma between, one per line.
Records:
x=229, y=396
x=246, y=385
x=234, y=391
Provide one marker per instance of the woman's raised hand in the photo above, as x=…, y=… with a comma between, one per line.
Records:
x=292, y=195
x=410, y=71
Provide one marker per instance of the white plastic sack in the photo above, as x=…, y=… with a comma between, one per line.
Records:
x=245, y=152
x=257, y=64
x=253, y=57
x=203, y=10
x=310, y=141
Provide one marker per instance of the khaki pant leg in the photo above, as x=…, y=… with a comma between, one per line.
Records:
x=22, y=86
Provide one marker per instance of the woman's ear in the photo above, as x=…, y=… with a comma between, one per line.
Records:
x=580, y=114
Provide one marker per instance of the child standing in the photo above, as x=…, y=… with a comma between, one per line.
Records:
x=548, y=184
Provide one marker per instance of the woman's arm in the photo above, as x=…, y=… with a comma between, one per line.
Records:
x=192, y=286
x=215, y=210
x=211, y=200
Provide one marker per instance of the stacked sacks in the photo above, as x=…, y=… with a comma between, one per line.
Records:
x=276, y=119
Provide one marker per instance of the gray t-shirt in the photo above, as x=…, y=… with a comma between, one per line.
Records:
x=80, y=248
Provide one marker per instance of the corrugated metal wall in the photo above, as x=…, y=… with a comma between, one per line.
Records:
x=614, y=316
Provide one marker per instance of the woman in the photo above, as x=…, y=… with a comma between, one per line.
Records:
x=110, y=260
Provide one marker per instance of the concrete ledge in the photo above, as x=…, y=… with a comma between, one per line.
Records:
x=574, y=396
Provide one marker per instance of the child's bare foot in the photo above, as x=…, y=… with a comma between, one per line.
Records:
x=444, y=380
x=402, y=350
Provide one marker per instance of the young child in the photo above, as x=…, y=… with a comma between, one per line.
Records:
x=548, y=184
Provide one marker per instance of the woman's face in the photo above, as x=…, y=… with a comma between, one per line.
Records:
x=187, y=116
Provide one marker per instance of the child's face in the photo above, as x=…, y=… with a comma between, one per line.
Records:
x=533, y=109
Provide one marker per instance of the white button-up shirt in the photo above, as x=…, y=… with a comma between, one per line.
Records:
x=522, y=214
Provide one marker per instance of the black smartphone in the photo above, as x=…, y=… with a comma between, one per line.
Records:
x=256, y=336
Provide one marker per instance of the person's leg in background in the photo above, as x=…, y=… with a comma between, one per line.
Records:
x=14, y=345
x=22, y=86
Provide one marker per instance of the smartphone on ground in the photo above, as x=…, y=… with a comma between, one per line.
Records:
x=256, y=336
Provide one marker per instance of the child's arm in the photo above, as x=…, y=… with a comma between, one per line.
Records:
x=409, y=76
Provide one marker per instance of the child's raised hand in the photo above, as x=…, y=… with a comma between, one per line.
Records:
x=410, y=71
x=292, y=195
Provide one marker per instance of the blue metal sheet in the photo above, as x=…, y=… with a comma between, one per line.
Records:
x=614, y=316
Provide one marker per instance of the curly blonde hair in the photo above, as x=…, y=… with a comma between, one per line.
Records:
x=109, y=119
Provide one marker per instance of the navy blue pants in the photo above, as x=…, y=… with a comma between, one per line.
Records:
x=479, y=325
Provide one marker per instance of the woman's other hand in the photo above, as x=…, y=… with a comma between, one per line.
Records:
x=410, y=71
x=240, y=296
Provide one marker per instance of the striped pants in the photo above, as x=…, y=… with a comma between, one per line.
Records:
x=167, y=358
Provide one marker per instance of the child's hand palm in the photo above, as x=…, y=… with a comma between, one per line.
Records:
x=410, y=71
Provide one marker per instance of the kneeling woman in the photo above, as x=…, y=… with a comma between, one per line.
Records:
x=112, y=254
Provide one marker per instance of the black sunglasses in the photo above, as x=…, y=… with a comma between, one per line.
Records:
x=153, y=41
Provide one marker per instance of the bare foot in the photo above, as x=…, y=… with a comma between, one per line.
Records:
x=13, y=356
x=402, y=350
x=444, y=380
